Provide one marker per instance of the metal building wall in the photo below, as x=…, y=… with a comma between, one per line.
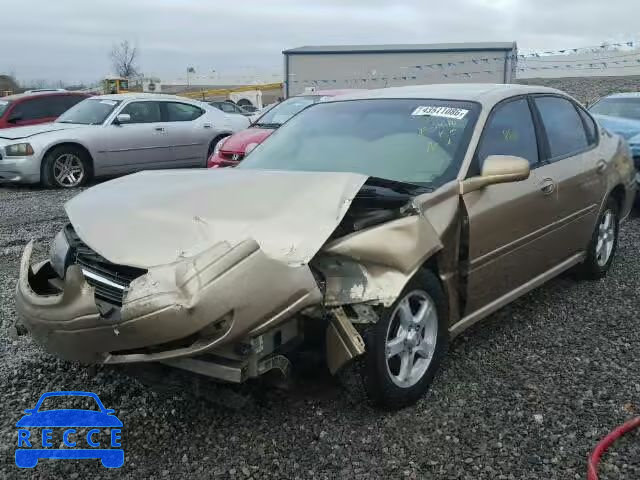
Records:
x=378, y=70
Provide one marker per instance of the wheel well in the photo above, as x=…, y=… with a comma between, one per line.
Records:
x=618, y=193
x=432, y=264
x=70, y=144
x=216, y=140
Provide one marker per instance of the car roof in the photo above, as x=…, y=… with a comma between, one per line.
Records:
x=22, y=96
x=484, y=93
x=624, y=95
x=332, y=93
x=143, y=96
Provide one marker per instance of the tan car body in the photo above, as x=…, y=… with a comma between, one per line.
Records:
x=234, y=255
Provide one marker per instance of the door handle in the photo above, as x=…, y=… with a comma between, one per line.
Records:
x=207, y=125
x=159, y=129
x=547, y=186
x=601, y=166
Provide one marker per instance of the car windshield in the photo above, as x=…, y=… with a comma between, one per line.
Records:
x=4, y=104
x=420, y=142
x=618, y=107
x=75, y=402
x=283, y=111
x=92, y=111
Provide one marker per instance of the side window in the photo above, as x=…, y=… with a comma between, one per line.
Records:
x=182, y=112
x=33, y=109
x=590, y=125
x=509, y=131
x=563, y=126
x=61, y=103
x=227, y=107
x=143, y=112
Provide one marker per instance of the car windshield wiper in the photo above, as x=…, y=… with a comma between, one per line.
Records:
x=267, y=125
x=408, y=189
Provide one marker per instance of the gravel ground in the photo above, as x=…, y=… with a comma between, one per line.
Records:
x=524, y=395
x=588, y=89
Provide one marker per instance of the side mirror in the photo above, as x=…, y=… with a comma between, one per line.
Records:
x=14, y=118
x=497, y=169
x=122, y=118
x=109, y=411
x=30, y=410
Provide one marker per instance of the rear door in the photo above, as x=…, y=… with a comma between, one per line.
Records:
x=189, y=133
x=140, y=144
x=577, y=165
x=511, y=226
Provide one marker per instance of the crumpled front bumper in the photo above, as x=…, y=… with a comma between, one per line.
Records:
x=222, y=296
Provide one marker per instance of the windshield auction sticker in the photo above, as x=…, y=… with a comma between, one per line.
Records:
x=444, y=112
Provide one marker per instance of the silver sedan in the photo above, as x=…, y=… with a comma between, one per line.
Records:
x=113, y=135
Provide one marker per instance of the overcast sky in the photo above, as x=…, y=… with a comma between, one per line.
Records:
x=70, y=40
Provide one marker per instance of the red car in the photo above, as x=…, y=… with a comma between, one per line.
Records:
x=231, y=150
x=33, y=108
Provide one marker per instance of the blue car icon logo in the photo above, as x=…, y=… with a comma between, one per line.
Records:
x=61, y=426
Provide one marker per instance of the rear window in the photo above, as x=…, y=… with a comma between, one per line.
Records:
x=4, y=104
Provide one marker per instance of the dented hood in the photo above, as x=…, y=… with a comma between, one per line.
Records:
x=157, y=217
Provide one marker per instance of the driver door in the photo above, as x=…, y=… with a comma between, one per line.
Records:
x=510, y=225
x=139, y=144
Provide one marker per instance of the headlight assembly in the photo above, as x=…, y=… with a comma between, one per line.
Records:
x=19, y=150
x=59, y=256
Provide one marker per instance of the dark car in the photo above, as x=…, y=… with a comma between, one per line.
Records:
x=36, y=107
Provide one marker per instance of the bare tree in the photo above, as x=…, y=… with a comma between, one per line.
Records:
x=123, y=58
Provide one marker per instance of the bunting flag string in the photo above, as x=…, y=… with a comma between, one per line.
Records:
x=519, y=63
x=469, y=74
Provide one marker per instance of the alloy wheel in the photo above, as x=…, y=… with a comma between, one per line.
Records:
x=68, y=170
x=606, y=238
x=411, y=338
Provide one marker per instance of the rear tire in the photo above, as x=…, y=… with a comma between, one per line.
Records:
x=603, y=244
x=66, y=167
x=404, y=349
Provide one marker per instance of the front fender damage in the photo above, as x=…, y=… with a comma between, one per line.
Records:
x=374, y=265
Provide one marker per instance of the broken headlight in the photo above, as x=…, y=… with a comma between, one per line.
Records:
x=59, y=256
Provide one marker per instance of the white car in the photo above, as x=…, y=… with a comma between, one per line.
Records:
x=113, y=135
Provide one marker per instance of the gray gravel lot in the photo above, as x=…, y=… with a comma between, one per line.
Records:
x=526, y=394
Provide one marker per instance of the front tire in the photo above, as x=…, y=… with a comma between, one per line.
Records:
x=407, y=344
x=603, y=244
x=66, y=167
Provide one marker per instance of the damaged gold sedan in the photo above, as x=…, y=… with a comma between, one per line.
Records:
x=389, y=221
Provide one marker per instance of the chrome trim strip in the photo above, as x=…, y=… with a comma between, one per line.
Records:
x=103, y=280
